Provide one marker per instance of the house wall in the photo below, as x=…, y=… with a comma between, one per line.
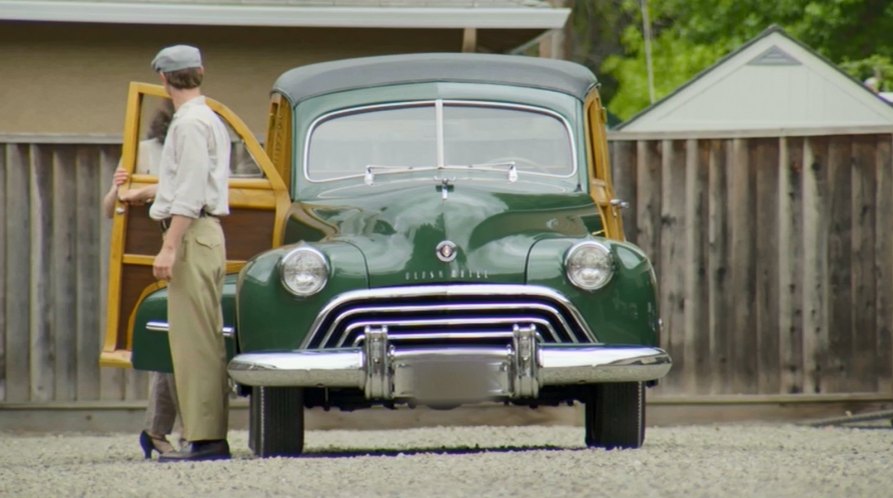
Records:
x=68, y=78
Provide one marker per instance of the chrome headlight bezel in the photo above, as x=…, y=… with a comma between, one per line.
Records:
x=306, y=261
x=589, y=265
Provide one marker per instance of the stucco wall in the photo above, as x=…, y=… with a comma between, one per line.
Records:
x=72, y=78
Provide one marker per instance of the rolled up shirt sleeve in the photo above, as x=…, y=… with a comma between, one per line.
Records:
x=193, y=164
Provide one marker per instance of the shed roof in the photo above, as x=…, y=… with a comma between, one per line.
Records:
x=327, y=77
x=773, y=82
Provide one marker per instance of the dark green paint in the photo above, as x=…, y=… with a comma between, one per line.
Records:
x=151, y=350
x=274, y=319
x=625, y=311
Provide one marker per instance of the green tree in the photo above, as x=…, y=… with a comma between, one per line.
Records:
x=691, y=35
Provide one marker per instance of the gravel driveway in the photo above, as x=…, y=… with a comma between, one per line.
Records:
x=536, y=461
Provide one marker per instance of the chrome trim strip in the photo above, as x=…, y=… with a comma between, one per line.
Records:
x=438, y=122
x=556, y=365
x=476, y=290
x=473, y=335
x=515, y=306
x=440, y=138
x=442, y=322
x=164, y=327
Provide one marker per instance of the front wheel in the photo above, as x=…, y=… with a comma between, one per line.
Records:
x=615, y=415
x=276, y=421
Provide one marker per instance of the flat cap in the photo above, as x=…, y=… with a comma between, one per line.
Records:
x=175, y=58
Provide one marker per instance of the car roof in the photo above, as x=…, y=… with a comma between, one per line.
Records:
x=323, y=78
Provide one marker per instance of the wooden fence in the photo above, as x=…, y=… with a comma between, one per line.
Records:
x=53, y=253
x=774, y=258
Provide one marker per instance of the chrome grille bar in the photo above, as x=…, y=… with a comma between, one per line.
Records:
x=403, y=300
x=411, y=309
x=443, y=323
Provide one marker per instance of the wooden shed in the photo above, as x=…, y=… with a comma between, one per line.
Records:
x=772, y=83
x=762, y=191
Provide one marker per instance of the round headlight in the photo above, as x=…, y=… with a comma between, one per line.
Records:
x=304, y=271
x=589, y=265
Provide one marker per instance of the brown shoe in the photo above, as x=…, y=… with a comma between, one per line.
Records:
x=198, y=451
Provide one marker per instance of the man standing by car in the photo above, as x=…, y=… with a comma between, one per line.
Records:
x=191, y=195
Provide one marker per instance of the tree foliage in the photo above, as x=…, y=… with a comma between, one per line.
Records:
x=691, y=35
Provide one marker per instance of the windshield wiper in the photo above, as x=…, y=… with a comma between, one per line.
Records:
x=508, y=166
x=369, y=175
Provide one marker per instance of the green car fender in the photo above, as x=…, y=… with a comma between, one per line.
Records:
x=624, y=311
x=273, y=319
x=151, y=348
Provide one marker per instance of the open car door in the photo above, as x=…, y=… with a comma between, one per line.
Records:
x=600, y=186
x=258, y=200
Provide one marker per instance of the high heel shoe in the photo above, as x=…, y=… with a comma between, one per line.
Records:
x=149, y=443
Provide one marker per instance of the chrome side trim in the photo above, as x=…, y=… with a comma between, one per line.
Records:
x=475, y=290
x=164, y=327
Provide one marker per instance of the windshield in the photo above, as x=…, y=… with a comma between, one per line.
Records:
x=439, y=134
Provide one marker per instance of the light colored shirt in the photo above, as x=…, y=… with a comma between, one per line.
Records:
x=194, y=164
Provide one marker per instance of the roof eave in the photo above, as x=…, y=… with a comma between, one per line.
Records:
x=292, y=16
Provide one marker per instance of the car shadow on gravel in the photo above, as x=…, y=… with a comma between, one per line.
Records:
x=352, y=453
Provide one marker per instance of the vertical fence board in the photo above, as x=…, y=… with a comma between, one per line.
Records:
x=648, y=200
x=694, y=335
x=790, y=251
x=112, y=381
x=672, y=251
x=719, y=291
x=765, y=162
x=883, y=267
x=64, y=272
x=3, y=281
x=815, y=262
x=836, y=369
x=864, y=325
x=623, y=160
x=87, y=169
x=42, y=346
x=743, y=254
x=18, y=274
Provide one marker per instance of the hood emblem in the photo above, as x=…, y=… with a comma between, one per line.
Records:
x=446, y=251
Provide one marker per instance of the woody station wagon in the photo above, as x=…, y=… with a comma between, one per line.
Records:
x=419, y=230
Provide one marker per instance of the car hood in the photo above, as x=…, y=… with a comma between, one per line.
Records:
x=399, y=231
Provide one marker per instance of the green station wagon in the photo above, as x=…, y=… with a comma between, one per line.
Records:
x=419, y=230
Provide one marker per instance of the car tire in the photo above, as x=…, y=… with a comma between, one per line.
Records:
x=615, y=415
x=276, y=421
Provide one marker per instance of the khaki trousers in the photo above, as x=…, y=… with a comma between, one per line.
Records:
x=196, y=320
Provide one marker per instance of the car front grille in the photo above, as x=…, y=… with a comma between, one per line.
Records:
x=466, y=314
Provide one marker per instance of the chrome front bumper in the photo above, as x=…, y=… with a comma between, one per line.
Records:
x=388, y=371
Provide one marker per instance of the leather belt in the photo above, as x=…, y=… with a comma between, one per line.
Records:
x=166, y=223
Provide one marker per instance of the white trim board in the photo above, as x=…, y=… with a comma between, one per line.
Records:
x=290, y=16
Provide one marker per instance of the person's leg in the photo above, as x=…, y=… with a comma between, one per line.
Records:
x=161, y=411
x=197, y=345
